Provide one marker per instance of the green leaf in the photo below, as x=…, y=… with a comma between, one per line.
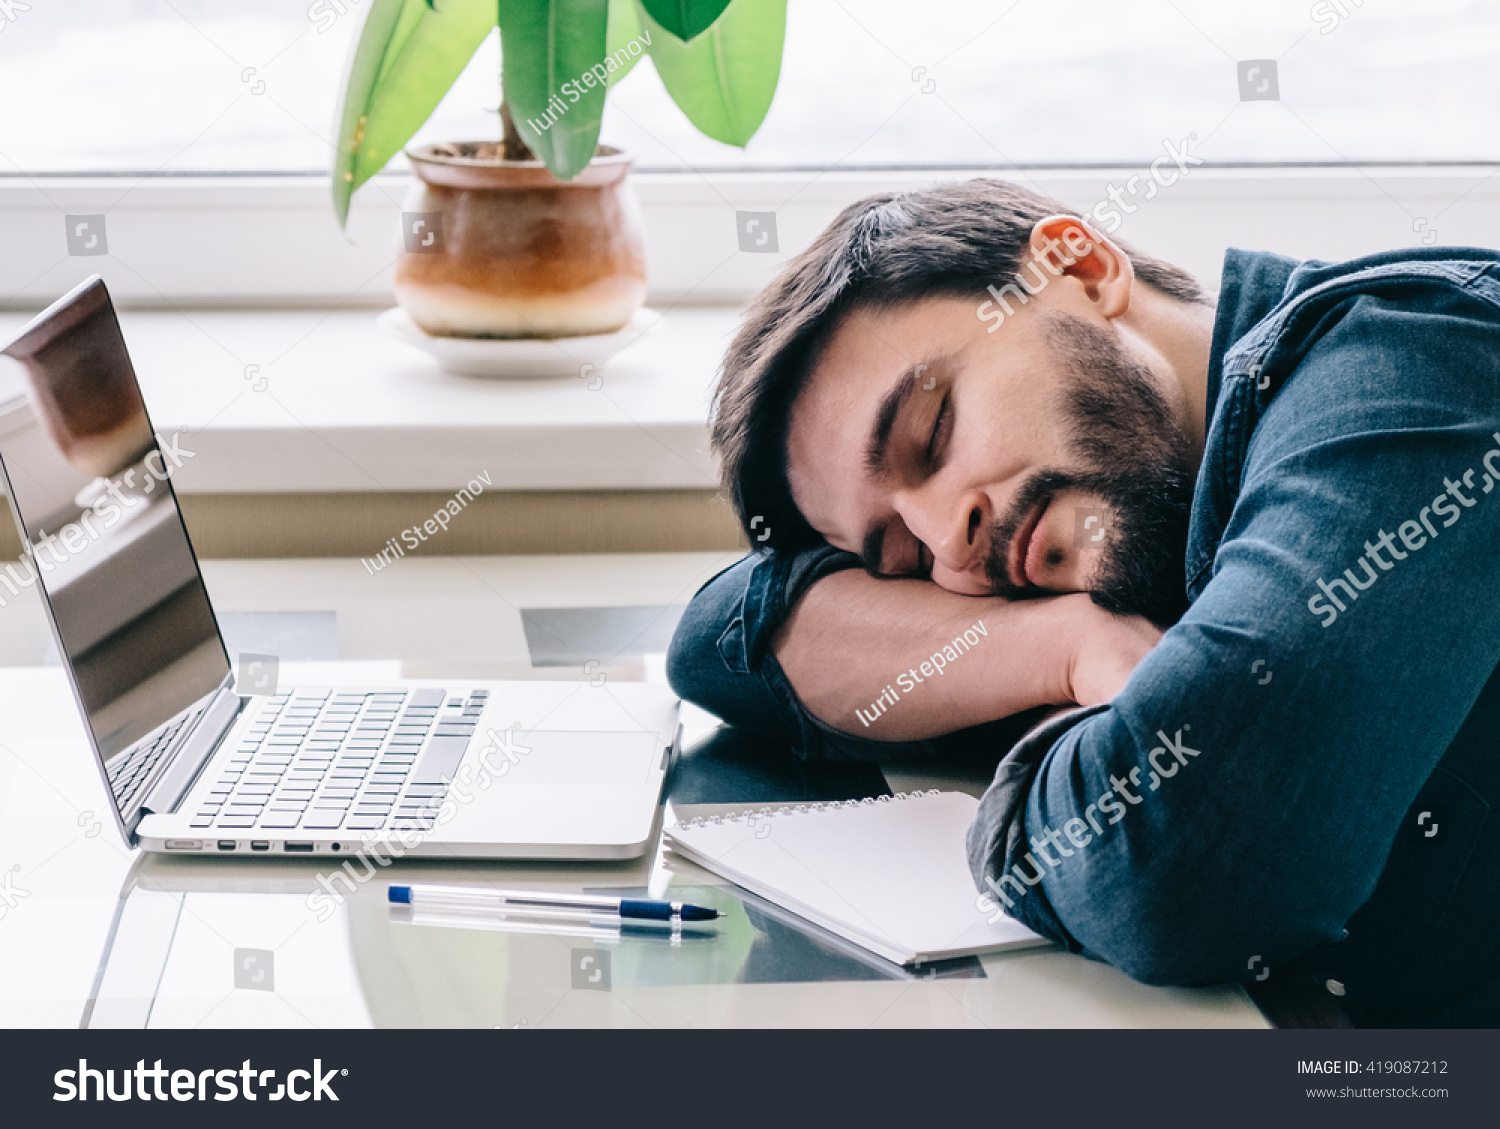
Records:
x=724, y=80
x=686, y=19
x=624, y=27
x=405, y=58
x=554, y=76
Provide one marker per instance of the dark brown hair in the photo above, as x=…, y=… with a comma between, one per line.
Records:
x=951, y=240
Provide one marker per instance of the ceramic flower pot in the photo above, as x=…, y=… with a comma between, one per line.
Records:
x=495, y=248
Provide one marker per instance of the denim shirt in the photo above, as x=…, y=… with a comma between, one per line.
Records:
x=1297, y=780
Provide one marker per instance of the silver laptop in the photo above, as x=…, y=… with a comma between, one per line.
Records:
x=198, y=765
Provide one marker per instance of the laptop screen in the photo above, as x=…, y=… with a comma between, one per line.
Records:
x=104, y=539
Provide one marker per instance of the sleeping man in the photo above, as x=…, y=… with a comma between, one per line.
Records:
x=995, y=464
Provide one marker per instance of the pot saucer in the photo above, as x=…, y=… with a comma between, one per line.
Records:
x=522, y=358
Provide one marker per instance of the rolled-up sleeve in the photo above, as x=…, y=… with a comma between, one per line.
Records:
x=721, y=659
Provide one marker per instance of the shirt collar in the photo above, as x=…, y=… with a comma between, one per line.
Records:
x=1251, y=286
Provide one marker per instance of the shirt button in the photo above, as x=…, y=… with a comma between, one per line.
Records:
x=1336, y=987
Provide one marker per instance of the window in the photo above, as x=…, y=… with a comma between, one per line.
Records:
x=195, y=86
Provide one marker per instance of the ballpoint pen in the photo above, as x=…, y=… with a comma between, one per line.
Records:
x=610, y=930
x=537, y=901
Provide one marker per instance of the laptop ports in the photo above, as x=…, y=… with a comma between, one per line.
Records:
x=303, y=847
x=259, y=845
x=227, y=844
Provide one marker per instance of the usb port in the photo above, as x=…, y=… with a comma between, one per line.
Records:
x=259, y=845
x=226, y=844
x=296, y=846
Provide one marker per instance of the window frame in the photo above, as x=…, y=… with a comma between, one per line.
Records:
x=227, y=241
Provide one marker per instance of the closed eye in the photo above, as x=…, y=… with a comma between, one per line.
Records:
x=941, y=425
x=909, y=556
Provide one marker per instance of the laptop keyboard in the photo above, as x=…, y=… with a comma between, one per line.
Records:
x=128, y=774
x=324, y=761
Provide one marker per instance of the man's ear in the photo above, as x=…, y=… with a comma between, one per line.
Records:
x=1069, y=246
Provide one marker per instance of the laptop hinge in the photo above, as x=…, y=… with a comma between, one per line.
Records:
x=196, y=750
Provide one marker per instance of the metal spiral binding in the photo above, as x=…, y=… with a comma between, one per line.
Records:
x=802, y=809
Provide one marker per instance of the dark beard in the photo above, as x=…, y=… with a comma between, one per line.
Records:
x=1135, y=456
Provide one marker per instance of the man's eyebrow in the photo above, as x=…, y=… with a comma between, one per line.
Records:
x=877, y=448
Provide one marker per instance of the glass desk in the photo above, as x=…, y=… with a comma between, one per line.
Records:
x=113, y=938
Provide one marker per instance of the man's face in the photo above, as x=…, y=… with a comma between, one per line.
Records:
x=1041, y=458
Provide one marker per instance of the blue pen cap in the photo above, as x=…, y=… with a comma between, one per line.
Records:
x=401, y=894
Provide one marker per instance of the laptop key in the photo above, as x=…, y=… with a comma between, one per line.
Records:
x=440, y=761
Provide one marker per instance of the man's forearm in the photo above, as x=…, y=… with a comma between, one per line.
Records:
x=854, y=649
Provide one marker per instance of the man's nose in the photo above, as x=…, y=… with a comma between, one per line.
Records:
x=954, y=527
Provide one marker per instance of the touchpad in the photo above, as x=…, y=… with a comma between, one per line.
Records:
x=602, y=758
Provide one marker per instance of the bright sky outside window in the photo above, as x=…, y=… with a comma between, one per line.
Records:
x=193, y=86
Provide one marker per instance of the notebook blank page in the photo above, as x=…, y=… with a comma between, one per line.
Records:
x=892, y=876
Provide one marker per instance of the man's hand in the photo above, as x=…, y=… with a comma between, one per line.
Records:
x=1107, y=649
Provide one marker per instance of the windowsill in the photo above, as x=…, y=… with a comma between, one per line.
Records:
x=345, y=408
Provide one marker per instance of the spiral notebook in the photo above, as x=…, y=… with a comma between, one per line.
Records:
x=890, y=874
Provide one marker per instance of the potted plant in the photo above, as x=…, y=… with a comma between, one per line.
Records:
x=538, y=230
